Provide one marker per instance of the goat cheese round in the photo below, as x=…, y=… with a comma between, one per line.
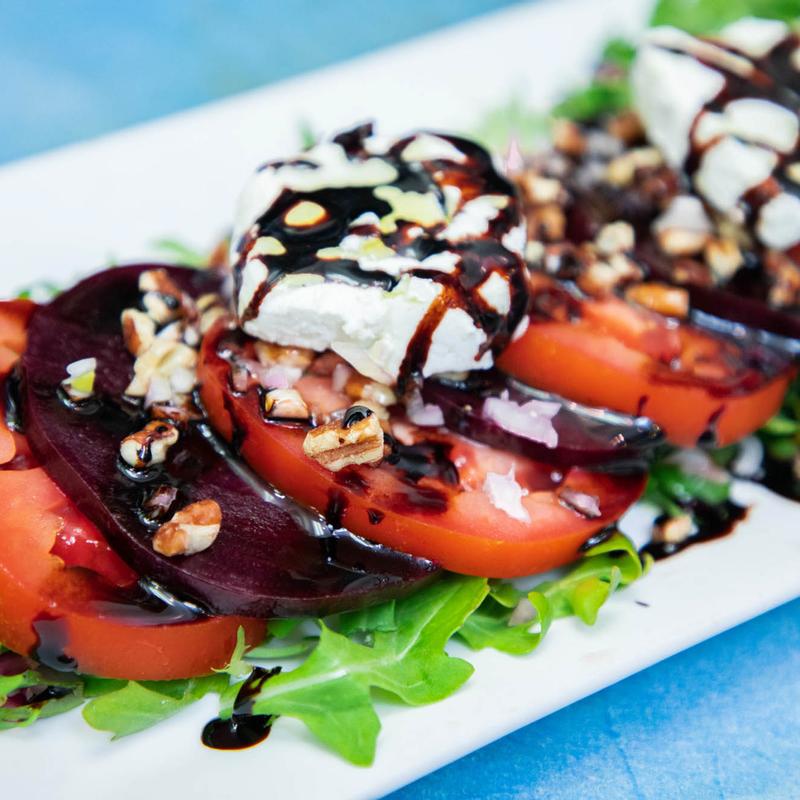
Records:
x=726, y=111
x=405, y=260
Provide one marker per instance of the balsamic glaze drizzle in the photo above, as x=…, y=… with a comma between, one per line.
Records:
x=243, y=728
x=477, y=258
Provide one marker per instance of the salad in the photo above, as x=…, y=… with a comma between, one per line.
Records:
x=409, y=400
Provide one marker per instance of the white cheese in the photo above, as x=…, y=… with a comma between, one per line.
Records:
x=367, y=326
x=753, y=36
x=670, y=90
x=496, y=293
x=730, y=168
x=685, y=212
x=779, y=222
x=753, y=120
x=427, y=147
x=472, y=221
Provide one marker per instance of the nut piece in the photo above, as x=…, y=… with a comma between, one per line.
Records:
x=138, y=330
x=724, y=257
x=191, y=530
x=601, y=277
x=681, y=241
x=622, y=170
x=285, y=404
x=149, y=445
x=616, y=237
x=541, y=190
x=548, y=223
x=674, y=530
x=567, y=137
x=161, y=360
x=358, y=387
x=157, y=280
x=357, y=438
x=270, y=354
x=163, y=300
x=626, y=126
x=671, y=301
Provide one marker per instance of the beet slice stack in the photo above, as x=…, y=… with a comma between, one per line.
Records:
x=265, y=561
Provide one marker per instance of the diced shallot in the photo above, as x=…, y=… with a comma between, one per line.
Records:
x=584, y=504
x=531, y=420
x=505, y=494
x=426, y=415
x=276, y=376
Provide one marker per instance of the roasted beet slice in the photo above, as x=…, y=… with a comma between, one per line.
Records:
x=271, y=556
x=587, y=437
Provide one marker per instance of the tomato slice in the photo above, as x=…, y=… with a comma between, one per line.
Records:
x=610, y=354
x=433, y=507
x=60, y=578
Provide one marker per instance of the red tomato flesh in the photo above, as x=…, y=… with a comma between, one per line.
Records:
x=452, y=522
x=613, y=355
x=55, y=565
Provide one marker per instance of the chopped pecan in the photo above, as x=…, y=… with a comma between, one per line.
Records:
x=724, y=257
x=138, y=330
x=149, y=446
x=270, y=354
x=671, y=301
x=568, y=137
x=356, y=438
x=191, y=530
x=616, y=237
x=673, y=530
x=285, y=404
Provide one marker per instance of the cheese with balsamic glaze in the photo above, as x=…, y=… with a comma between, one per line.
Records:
x=726, y=111
x=404, y=259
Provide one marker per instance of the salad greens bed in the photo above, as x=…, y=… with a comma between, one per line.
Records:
x=399, y=647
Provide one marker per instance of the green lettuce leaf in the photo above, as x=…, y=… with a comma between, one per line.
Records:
x=331, y=691
x=581, y=592
x=610, y=565
x=140, y=705
x=706, y=16
x=178, y=252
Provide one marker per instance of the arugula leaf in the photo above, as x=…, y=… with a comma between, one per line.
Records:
x=601, y=96
x=582, y=591
x=610, y=565
x=674, y=490
x=367, y=620
x=51, y=694
x=330, y=691
x=39, y=292
x=307, y=136
x=181, y=253
x=273, y=652
x=138, y=706
x=706, y=16
x=490, y=626
x=619, y=52
x=514, y=120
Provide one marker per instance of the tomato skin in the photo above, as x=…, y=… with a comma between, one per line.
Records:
x=611, y=357
x=55, y=563
x=469, y=536
x=34, y=581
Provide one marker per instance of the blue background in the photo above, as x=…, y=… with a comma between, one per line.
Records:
x=721, y=720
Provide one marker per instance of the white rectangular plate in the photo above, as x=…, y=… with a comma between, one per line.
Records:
x=71, y=211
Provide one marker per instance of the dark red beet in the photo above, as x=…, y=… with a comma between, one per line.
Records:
x=264, y=562
x=586, y=437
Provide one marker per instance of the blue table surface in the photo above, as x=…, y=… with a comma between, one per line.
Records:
x=721, y=720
